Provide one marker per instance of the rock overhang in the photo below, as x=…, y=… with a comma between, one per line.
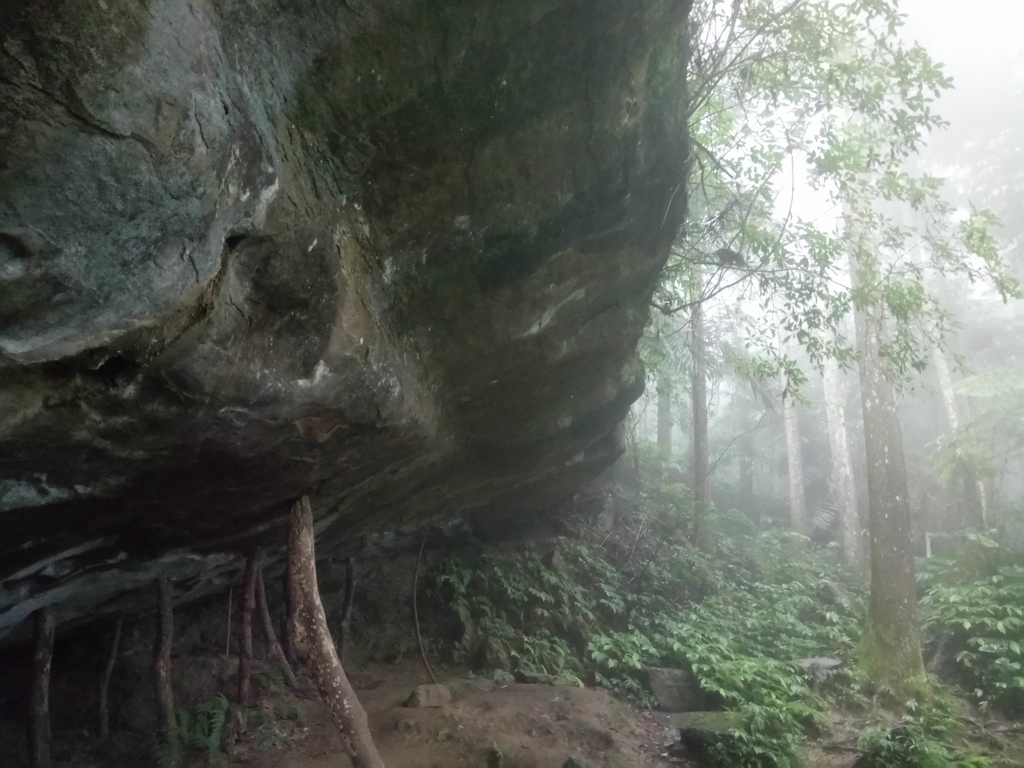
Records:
x=396, y=255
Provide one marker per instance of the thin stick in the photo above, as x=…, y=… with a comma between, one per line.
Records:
x=166, y=723
x=639, y=533
x=415, y=610
x=346, y=609
x=39, y=700
x=245, y=630
x=276, y=651
x=227, y=634
x=108, y=670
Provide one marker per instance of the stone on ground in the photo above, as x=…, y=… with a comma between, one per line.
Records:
x=700, y=730
x=678, y=690
x=819, y=668
x=429, y=696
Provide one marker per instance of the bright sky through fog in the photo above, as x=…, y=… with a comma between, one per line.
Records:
x=980, y=45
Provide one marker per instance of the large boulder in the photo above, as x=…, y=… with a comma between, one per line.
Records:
x=395, y=254
x=679, y=690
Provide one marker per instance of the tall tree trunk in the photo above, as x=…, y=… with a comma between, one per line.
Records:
x=664, y=416
x=39, y=699
x=746, y=454
x=108, y=670
x=891, y=646
x=167, y=726
x=794, y=457
x=974, y=487
x=245, y=630
x=273, y=647
x=844, y=490
x=699, y=398
x=313, y=641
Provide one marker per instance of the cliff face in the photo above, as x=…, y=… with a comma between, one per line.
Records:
x=392, y=253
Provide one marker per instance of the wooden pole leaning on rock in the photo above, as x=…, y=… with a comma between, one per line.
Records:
x=313, y=641
x=108, y=670
x=245, y=630
x=273, y=647
x=346, y=607
x=167, y=726
x=39, y=698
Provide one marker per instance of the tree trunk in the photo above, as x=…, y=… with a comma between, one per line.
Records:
x=795, y=464
x=108, y=670
x=39, y=698
x=974, y=488
x=746, y=469
x=167, y=726
x=794, y=457
x=844, y=490
x=664, y=416
x=274, y=647
x=290, y=607
x=699, y=400
x=245, y=630
x=313, y=641
x=891, y=645
x=746, y=454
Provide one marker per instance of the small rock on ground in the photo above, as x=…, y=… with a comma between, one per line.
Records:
x=429, y=696
x=819, y=668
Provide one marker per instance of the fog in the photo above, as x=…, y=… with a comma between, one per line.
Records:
x=852, y=368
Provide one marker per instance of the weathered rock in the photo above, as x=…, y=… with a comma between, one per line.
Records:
x=434, y=695
x=700, y=730
x=577, y=761
x=492, y=655
x=819, y=668
x=395, y=254
x=554, y=560
x=678, y=690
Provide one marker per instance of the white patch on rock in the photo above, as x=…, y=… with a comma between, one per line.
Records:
x=549, y=315
x=266, y=198
x=18, y=493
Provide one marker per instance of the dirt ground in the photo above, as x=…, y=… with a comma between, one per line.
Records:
x=535, y=726
x=486, y=725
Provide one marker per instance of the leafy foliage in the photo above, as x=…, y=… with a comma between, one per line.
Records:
x=605, y=614
x=979, y=597
x=202, y=730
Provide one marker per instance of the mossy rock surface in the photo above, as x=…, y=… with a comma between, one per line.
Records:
x=395, y=254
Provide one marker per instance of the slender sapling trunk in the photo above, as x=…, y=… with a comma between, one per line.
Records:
x=313, y=641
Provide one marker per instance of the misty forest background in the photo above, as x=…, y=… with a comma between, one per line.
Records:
x=828, y=458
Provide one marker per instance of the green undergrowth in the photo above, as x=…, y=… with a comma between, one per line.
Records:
x=601, y=608
x=973, y=606
x=199, y=733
